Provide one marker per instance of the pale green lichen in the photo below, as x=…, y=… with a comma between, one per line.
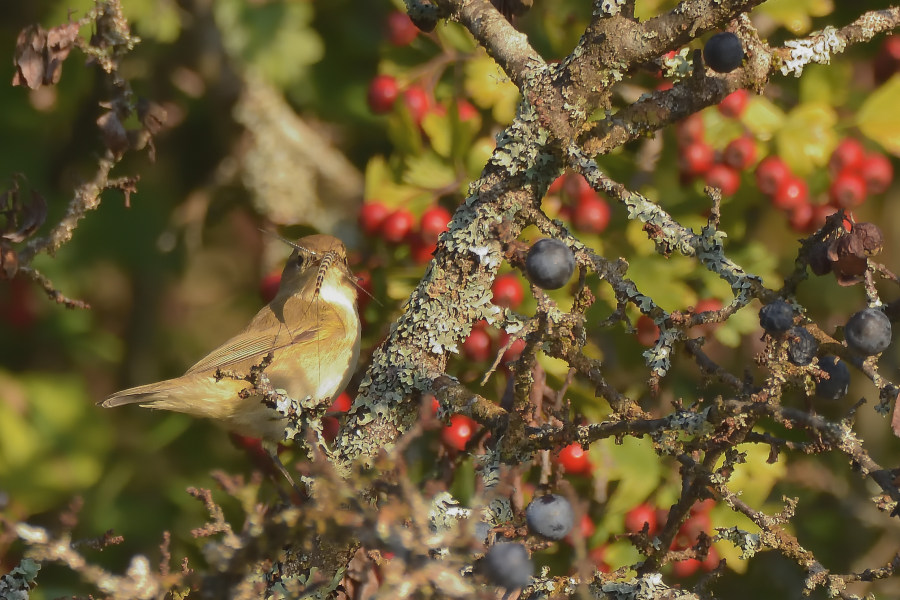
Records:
x=817, y=48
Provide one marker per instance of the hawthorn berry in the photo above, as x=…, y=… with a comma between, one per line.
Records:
x=696, y=159
x=838, y=382
x=647, y=331
x=550, y=516
x=771, y=172
x=690, y=130
x=268, y=286
x=549, y=264
x=734, y=104
x=401, y=31
x=868, y=331
x=508, y=565
x=417, y=103
x=848, y=154
x=848, y=190
x=790, y=194
x=433, y=223
x=685, y=568
x=507, y=291
x=458, y=433
x=421, y=250
x=575, y=460
x=877, y=171
x=397, y=225
x=371, y=216
x=723, y=177
x=591, y=213
x=640, y=515
x=513, y=352
x=575, y=186
x=776, y=317
x=383, y=92
x=723, y=52
x=801, y=218
x=740, y=153
x=477, y=347
x=802, y=346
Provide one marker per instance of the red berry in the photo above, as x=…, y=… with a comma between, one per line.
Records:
x=690, y=130
x=421, y=250
x=878, y=171
x=477, y=347
x=848, y=154
x=575, y=460
x=557, y=185
x=791, y=193
x=801, y=218
x=371, y=217
x=416, y=100
x=466, y=110
x=887, y=61
x=771, y=172
x=696, y=159
x=848, y=190
x=723, y=177
x=397, y=225
x=685, y=568
x=383, y=92
x=647, y=331
x=691, y=529
x=507, y=290
x=740, y=153
x=401, y=31
x=708, y=304
x=575, y=186
x=268, y=287
x=434, y=222
x=342, y=403
x=703, y=506
x=598, y=557
x=458, y=433
x=734, y=104
x=591, y=213
x=711, y=561
x=513, y=352
x=640, y=515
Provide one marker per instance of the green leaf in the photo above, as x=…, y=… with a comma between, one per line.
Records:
x=826, y=83
x=806, y=140
x=633, y=464
x=878, y=117
x=381, y=186
x=428, y=171
x=762, y=118
x=796, y=15
x=490, y=89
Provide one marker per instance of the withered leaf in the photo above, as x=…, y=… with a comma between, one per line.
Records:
x=114, y=135
x=152, y=115
x=9, y=261
x=40, y=54
x=21, y=219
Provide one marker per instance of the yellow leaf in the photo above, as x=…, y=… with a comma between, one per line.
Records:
x=806, y=140
x=489, y=88
x=762, y=118
x=795, y=15
x=878, y=117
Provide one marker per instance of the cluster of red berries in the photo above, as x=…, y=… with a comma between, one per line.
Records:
x=585, y=208
x=653, y=518
x=398, y=226
x=698, y=159
x=855, y=174
x=648, y=331
x=481, y=346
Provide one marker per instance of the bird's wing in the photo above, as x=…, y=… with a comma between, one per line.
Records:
x=266, y=333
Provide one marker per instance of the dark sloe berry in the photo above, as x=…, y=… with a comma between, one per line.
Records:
x=723, y=52
x=776, y=317
x=838, y=382
x=550, y=516
x=868, y=331
x=549, y=264
x=508, y=565
x=802, y=346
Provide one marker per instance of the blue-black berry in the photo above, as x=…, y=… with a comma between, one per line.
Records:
x=549, y=264
x=838, y=382
x=723, y=52
x=508, y=565
x=802, y=346
x=550, y=516
x=868, y=331
x=776, y=317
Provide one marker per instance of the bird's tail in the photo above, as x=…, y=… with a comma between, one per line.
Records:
x=146, y=395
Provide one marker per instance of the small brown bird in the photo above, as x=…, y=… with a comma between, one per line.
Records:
x=311, y=328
